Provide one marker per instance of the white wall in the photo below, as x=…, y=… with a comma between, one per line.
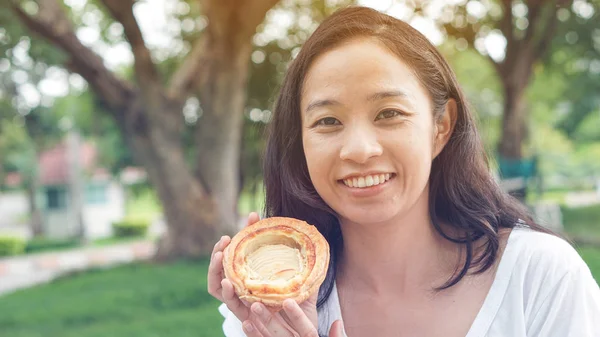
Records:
x=13, y=208
x=99, y=218
x=14, y=214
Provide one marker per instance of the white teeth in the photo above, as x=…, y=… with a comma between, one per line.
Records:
x=367, y=181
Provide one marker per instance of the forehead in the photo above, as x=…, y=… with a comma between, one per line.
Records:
x=362, y=65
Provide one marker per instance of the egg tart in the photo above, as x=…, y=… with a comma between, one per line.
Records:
x=275, y=259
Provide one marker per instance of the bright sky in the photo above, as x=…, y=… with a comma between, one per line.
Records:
x=161, y=31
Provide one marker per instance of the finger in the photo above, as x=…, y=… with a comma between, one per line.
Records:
x=253, y=218
x=250, y=329
x=216, y=247
x=233, y=302
x=337, y=329
x=220, y=245
x=261, y=312
x=298, y=319
x=215, y=276
x=261, y=327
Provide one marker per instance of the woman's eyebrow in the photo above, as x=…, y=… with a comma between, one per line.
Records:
x=321, y=103
x=385, y=94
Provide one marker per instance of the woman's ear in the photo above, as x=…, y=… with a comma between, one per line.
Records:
x=444, y=126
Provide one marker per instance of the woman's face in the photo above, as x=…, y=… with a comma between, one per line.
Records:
x=368, y=132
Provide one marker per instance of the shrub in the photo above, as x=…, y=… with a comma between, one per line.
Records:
x=44, y=244
x=130, y=228
x=10, y=245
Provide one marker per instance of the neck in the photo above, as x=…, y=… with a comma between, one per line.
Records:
x=405, y=254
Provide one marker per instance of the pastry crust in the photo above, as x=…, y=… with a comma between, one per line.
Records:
x=275, y=259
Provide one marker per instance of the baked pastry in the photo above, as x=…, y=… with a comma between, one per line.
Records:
x=275, y=259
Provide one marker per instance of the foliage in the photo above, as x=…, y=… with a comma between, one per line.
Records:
x=135, y=300
x=10, y=245
x=130, y=228
x=582, y=221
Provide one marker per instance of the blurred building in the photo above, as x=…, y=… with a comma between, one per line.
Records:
x=101, y=201
x=76, y=194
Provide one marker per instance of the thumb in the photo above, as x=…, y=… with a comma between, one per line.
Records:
x=253, y=218
x=337, y=329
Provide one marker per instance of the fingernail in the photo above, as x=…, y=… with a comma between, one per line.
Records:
x=248, y=327
x=257, y=309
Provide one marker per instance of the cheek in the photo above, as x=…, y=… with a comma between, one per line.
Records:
x=312, y=154
x=320, y=157
x=414, y=150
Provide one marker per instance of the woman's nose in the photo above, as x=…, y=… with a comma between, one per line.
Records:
x=360, y=144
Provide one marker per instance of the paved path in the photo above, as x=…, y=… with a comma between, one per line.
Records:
x=28, y=270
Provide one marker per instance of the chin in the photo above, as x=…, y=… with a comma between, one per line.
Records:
x=370, y=215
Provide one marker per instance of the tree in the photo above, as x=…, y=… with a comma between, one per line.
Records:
x=528, y=29
x=199, y=200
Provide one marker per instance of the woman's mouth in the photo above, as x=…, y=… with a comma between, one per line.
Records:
x=368, y=180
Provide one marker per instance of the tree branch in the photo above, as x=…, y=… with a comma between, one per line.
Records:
x=228, y=18
x=506, y=23
x=51, y=23
x=533, y=16
x=253, y=12
x=549, y=30
x=189, y=73
x=145, y=69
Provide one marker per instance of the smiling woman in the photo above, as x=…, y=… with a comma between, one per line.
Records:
x=373, y=142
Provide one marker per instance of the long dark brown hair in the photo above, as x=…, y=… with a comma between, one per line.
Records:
x=463, y=193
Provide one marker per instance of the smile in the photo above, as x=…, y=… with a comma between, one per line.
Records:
x=368, y=180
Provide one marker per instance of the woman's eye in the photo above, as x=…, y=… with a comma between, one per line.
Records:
x=328, y=121
x=388, y=114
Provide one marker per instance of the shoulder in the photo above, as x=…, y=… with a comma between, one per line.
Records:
x=550, y=280
x=546, y=267
x=538, y=252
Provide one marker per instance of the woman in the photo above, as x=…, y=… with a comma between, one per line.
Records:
x=373, y=142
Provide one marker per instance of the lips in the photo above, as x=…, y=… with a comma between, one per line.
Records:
x=367, y=180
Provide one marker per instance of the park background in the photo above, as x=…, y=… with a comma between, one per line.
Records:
x=131, y=136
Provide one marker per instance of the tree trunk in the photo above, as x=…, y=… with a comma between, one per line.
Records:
x=513, y=122
x=35, y=215
x=219, y=132
x=199, y=205
x=193, y=225
x=515, y=75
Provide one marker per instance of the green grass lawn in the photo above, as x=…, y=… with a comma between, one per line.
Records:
x=142, y=300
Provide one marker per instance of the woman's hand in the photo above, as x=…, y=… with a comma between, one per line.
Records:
x=257, y=321
x=293, y=321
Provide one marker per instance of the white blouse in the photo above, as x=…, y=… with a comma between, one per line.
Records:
x=542, y=288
